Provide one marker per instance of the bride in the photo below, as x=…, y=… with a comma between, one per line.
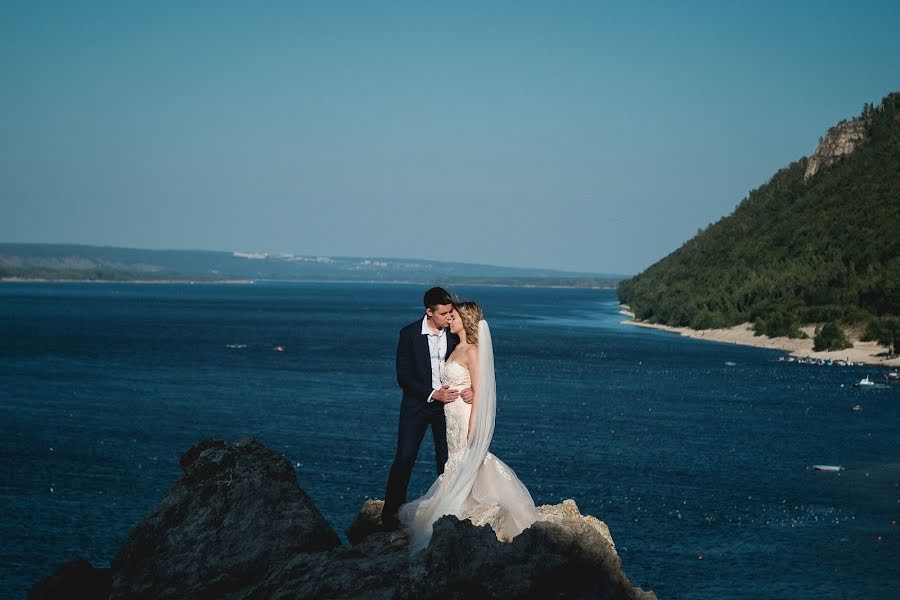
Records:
x=475, y=485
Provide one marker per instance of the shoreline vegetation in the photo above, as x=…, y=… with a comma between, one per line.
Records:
x=869, y=353
x=812, y=253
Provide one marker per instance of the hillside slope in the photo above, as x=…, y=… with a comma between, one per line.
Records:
x=819, y=242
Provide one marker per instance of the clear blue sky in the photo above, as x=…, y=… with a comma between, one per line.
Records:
x=583, y=136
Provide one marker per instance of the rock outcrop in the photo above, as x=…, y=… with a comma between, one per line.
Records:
x=75, y=579
x=235, y=511
x=237, y=525
x=841, y=140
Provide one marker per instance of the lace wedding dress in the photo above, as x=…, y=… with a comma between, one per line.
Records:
x=475, y=485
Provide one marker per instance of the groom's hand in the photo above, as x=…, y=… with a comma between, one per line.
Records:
x=445, y=394
x=467, y=395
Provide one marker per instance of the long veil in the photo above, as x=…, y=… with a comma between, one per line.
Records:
x=474, y=483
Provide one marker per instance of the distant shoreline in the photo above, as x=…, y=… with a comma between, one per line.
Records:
x=861, y=352
x=138, y=281
x=450, y=283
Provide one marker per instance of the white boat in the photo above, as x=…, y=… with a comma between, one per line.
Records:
x=828, y=468
x=865, y=381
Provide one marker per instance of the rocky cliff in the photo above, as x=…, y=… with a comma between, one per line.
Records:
x=841, y=140
x=237, y=525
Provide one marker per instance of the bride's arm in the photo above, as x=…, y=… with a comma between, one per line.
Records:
x=473, y=373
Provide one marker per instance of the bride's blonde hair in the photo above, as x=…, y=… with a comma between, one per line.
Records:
x=471, y=314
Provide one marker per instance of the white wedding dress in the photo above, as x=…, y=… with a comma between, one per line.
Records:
x=475, y=485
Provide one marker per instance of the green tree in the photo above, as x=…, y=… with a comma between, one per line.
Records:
x=830, y=336
x=796, y=250
x=885, y=331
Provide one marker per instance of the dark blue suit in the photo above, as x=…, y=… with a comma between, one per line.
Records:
x=416, y=413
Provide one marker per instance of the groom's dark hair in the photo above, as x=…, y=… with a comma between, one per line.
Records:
x=435, y=296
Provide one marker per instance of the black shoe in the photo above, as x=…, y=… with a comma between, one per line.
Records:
x=390, y=523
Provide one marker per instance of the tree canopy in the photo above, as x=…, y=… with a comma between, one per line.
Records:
x=795, y=250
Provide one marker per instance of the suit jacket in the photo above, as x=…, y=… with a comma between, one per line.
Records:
x=414, y=361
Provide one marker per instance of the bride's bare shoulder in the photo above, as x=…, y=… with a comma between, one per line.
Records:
x=472, y=354
x=469, y=354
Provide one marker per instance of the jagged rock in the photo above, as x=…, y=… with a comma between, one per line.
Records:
x=75, y=579
x=568, y=515
x=564, y=553
x=545, y=560
x=236, y=525
x=367, y=522
x=840, y=141
x=572, y=560
x=235, y=512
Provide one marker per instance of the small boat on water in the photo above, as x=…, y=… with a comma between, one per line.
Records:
x=827, y=468
x=865, y=382
x=857, y=408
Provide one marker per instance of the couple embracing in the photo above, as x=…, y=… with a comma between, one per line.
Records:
x=445, y=366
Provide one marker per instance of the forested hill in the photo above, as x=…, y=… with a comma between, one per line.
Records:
x=820, y=242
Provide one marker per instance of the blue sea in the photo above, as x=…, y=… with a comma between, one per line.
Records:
x=694, y=453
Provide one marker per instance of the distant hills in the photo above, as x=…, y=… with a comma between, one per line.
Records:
x=818, y=243
x=100, y=263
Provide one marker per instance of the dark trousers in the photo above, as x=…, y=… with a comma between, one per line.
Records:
x=415, y=417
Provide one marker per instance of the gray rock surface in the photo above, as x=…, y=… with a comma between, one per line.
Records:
x=75, y=579
x=841, y=140
x=237, y=525
x=234, y=513
x=565, y=554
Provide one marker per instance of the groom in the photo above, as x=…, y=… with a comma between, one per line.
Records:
x=423, y=348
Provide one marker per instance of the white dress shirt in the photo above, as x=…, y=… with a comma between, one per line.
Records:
x=437, y=348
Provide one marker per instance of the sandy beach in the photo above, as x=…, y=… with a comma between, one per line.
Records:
x=861, y=352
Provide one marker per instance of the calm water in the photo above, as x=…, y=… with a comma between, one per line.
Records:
x=693, y=452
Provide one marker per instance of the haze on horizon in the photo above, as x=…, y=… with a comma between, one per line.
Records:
x=591, y=137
